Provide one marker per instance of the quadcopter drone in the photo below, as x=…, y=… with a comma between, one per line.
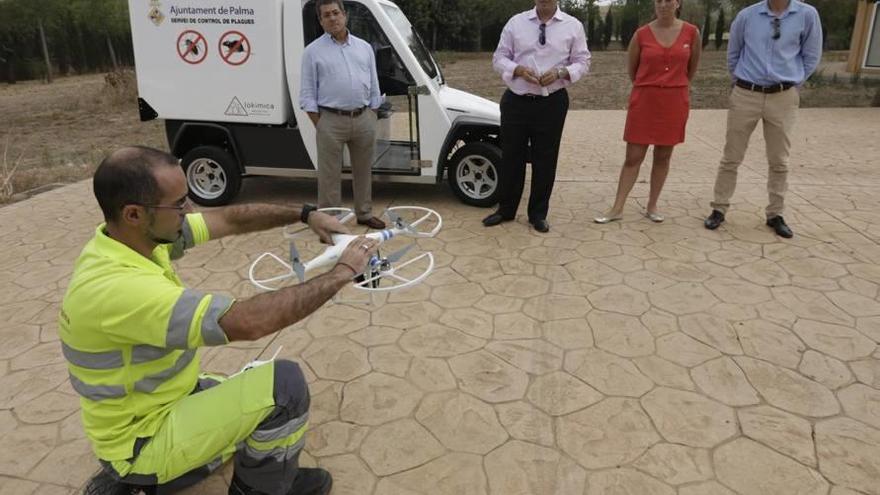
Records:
x=384, y=273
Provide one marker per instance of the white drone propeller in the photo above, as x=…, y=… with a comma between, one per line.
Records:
x=395, y=270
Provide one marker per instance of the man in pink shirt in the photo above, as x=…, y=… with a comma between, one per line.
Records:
x=540, y=53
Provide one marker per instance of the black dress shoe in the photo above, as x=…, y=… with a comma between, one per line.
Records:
x=541, y=226
x=714, y=220
x=495, y=219
x=777, y=223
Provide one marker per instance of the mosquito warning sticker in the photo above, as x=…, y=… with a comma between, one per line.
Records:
x=235, y=108
x=234, y=48
x=192, y=47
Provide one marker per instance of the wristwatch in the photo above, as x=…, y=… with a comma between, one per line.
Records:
x=307, y=210
x=560, y=73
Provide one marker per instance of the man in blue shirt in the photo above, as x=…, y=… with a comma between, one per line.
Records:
x=340, y=92
x=774, y=46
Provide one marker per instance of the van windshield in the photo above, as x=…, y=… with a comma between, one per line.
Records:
x=413, y=40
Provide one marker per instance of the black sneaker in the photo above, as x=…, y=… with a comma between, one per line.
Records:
x=777, y=223
x=715, y=219
x=309, y=481
x=104, y=483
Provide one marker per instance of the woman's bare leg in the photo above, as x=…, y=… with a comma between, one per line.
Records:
x=659, y=171
x=635, y=155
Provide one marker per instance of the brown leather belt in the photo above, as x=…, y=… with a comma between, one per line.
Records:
x=344, y=113
x=776, y=88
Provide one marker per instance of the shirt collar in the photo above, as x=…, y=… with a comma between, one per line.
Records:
x=533, y=14
x=331, y=40
x=793, y=6
x=111, y=248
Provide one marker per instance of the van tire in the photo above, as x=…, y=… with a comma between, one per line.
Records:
x=473, y=173
x=212, y=175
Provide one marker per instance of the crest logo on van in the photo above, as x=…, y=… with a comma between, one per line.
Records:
x=156, y=16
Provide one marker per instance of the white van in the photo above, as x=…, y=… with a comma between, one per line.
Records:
x=225, y=77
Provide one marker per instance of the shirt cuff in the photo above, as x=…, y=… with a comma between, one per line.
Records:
x=574, y=73
x=505, y=67
x=507, y=74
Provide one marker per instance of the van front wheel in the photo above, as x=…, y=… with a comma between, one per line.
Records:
x=474, y=173
x=212, y=175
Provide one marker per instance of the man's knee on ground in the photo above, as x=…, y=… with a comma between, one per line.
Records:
x=291, y=391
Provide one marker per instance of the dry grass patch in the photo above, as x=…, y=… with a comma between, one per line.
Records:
x=61, y=131
x=7, y=173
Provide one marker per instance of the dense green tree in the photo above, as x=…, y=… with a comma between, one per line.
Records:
x=594, y=30
x=630, y=21
x=39, y=38
x=42, y=37
x=608, y=28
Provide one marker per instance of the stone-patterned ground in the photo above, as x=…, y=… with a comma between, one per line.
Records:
x=627, y=358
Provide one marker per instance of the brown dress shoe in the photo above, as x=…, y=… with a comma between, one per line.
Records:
x=373, y=223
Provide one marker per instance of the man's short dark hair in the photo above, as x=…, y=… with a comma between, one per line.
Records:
x=321, y=3
x=126, y=177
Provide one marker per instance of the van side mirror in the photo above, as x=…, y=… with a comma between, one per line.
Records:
x=384, y=60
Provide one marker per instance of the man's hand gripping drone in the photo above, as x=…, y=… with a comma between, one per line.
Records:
x=387, y=273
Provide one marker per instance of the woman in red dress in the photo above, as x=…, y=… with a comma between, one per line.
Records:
x=663, y=58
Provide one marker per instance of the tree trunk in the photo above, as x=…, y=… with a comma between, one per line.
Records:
x=112, y=54
x=8, y=55
x=83, y=53
x=9, y=61
x=45, y=51
x=479, y=36
x=707, y=26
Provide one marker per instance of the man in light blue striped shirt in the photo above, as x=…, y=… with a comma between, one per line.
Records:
x=340, y=92
x=774, y=46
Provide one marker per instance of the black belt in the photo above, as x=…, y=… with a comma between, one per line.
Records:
x=534, y=96
x=776, y=88
x=344, y=113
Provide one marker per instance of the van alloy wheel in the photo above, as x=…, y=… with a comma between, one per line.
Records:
x=474, y=173
x=206, y=178
x=212, y=175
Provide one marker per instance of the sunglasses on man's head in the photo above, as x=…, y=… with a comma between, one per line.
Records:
x=542, y=38
x=777, y=32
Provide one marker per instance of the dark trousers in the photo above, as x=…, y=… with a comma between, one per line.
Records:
x=536, y=123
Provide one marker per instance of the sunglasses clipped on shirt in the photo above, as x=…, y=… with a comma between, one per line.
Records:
x=542, y=38
x=777, y=32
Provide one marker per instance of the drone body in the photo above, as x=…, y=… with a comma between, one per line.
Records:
x=341, y=241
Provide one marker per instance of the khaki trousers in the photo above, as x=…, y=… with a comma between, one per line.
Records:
x=778, y=112
x=359, y=134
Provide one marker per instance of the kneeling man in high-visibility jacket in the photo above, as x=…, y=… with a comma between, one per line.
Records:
x=130, y=332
